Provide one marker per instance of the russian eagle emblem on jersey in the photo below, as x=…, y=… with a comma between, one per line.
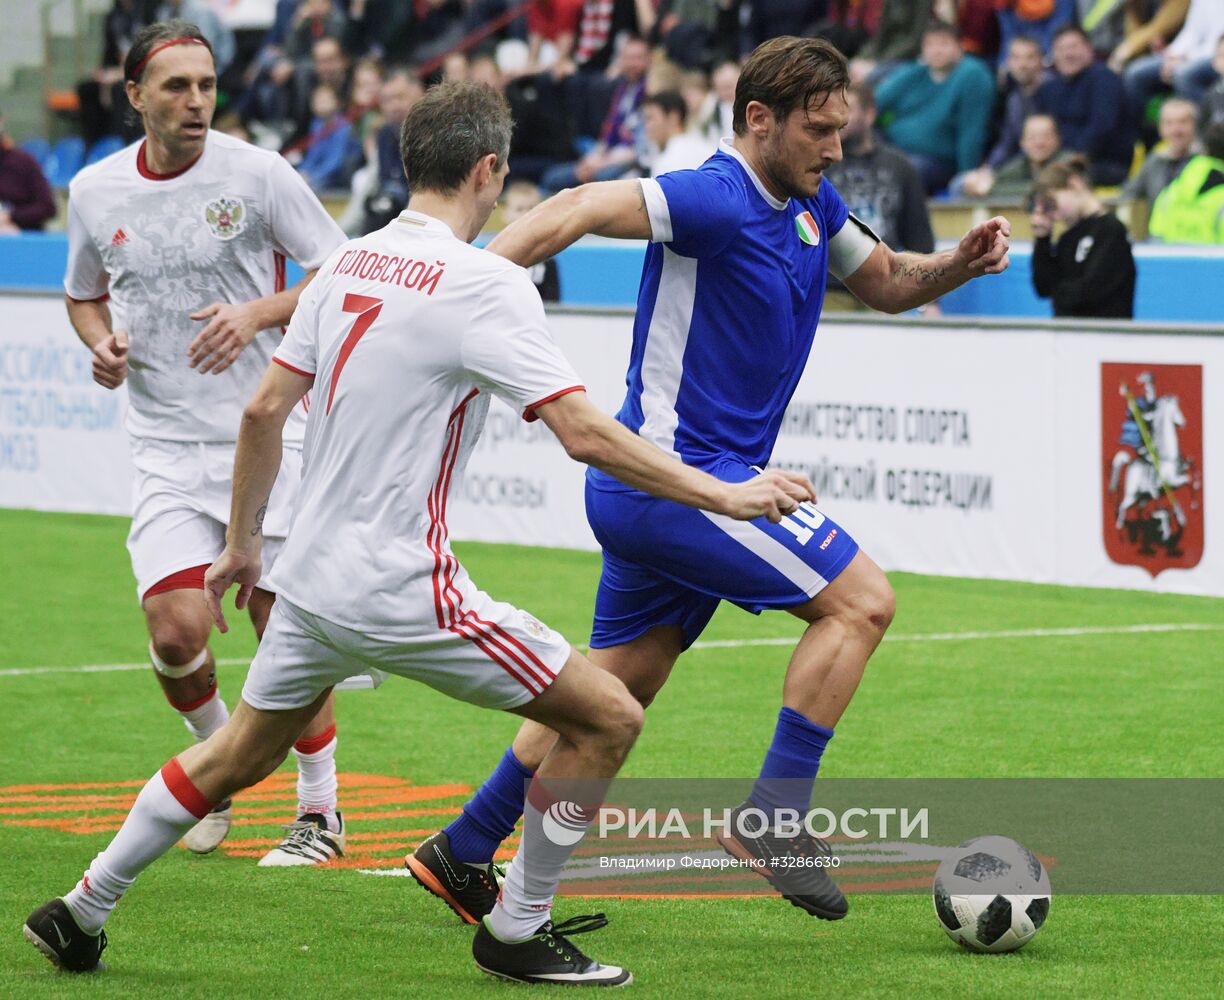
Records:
x=225, y=217
x=809, y=232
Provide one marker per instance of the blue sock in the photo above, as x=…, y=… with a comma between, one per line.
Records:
x=490, y=817
x=790, y=765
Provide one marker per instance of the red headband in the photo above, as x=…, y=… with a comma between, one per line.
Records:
x=139, y=67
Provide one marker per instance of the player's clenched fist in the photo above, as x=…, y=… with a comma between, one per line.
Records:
x=110, y=364
x=772, y=495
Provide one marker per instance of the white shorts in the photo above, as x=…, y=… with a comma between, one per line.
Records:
x=508, y=661
x=181, y=505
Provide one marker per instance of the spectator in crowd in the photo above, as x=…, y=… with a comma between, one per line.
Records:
x=26, y=201
x=383, y=28
x=602, y=25
x=437, y=28
x=103, y=97
x=587, y=86
x=938, y=109
x=1191, y=208
x=662, y=75
x=1089, y=103
x=483, y=68
x=329, y=65
x=401, y=89
x=688, y=30
x=1040, y=145
x=1185, y=65
x=771, y=18
x=695, y=89
x=978, y=21
x=552, y=32
x=543, y=135
x=455, y=67
x=877, y=182
x=1213, y=100
x=313, y=19
x=898, y=39
x=1132, y=28
x=1090, y=272
x=363, y=110
x=713, y=121
x=277, y=104
x=1024, y=73
x=664, y=118
x=518, y=199
x=1165, y=162
x=257, y=74
x=331, y=147
x=1040, y=19
x=615, y=153
x=848, y=24
x=203, y=16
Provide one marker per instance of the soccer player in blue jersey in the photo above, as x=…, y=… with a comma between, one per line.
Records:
x=727, y=311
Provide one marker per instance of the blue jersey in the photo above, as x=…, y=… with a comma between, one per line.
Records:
x=730, y=297
x=727, y=310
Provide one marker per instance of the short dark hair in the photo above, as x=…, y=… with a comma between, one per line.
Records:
x=448, y=131
x=1057, y=176
x=670, y=102
x=1213, y=140
x=864, y=92
x=785, y=73
x=942, y=28
x=1071, y=29
x=154, y=35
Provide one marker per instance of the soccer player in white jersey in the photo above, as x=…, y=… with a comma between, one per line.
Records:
x=176, y=282
x=729, y=302
x=403, y=337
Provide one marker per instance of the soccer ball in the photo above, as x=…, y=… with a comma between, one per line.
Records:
x=991, y=895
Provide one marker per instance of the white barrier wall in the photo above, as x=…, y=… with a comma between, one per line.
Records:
x=947, y=449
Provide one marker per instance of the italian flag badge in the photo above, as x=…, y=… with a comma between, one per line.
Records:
x=809, y=232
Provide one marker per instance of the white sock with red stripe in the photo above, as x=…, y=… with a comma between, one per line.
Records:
x=166, y=808
x=204, y=716
x=525, y=901
x=317, y=785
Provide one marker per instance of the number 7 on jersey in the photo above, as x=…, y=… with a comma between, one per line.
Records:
x=367, y=309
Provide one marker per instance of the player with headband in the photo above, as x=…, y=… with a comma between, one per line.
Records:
x=176, y=283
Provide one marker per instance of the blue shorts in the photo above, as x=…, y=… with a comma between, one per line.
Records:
x=667, y=564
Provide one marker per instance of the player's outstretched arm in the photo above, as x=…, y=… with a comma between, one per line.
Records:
x=593, y=438
x=894, y=282
x=605, y=208
x=256, y=464
x=231, y=326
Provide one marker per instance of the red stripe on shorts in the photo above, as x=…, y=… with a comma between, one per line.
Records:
x=184, y=579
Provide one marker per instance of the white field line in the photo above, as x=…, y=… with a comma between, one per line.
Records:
x=1024, y=633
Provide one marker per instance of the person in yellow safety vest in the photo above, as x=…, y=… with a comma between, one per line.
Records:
x=1191, y=208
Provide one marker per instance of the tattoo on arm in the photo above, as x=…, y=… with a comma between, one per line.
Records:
x=922, y=274
x=259, y=519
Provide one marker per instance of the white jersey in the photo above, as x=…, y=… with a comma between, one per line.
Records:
x=406, y=331
x=163, y=246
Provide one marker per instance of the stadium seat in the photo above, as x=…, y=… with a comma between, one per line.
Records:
x=39, y=148
x=103, y=148
x=66, y=158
